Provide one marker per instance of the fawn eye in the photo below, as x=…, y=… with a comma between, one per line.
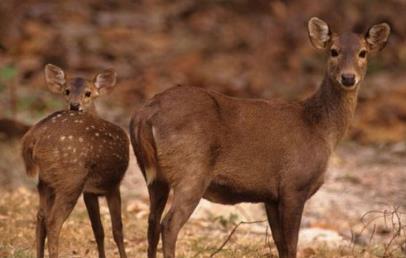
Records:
x=362, y=54
x=334, y=52
x=67, y=92
x=88, y=93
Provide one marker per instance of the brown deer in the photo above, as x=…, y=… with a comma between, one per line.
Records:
x=203, y=144
x=74, y=151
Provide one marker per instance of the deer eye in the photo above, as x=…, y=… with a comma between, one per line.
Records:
x=362, y=54
x=88, y=93
x=334, y=52
x=67, y=92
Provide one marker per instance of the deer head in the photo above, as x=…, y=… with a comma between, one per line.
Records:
x=348, y=52
x=79, y=92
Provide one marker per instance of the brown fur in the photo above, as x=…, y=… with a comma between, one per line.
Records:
x=230, y=150
x=76, y=152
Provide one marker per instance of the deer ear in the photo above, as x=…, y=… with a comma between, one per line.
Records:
x=377, y=36
x=105, y=80
x=319, y=33
x=55, y=78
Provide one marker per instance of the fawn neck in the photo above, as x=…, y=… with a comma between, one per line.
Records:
x=92, y=110
x=331, y=109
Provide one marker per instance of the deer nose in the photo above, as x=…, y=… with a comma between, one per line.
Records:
x=348, y=79
x=74, y=106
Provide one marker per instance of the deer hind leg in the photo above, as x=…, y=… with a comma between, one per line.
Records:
x=114, y=204
x=45, y=202
x=275, y=223
x=158, y=195
x=63, y=205
x=291, y=209
x=93, y=209
x=187, y=195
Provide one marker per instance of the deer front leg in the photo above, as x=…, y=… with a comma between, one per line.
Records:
x=291, y=209
x=274, y=219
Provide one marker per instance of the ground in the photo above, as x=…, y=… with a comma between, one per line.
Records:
x=360, y=181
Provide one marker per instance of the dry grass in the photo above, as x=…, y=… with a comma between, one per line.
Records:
x=200, y=238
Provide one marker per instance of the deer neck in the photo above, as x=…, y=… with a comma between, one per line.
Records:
x=331, y=109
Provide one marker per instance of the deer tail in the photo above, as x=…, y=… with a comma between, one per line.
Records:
x=142, y=140
x=28, y=155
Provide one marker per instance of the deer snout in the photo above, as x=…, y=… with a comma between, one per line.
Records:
x=348, y=79
x=74, y=106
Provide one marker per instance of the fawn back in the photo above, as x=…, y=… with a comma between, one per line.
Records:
x=203, y=144
x=79, y=147
x=74, y=151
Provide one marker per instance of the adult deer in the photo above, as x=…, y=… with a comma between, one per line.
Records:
x=203, y=144
x=75, y=151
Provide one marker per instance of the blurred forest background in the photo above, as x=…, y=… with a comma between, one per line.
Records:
x=244, y=48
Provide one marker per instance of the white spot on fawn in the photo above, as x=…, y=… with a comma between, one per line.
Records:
x=62, y=138
x=80, y=139
x=59, y=115
x=97, y=134
x=70, y=137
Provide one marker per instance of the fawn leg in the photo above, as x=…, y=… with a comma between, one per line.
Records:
x=187, y=195
x=114, y=203
x=291, y=209
x=93, y=209
x=61, y=208
x=275, y=223
x=158, y=195
x=45, y=202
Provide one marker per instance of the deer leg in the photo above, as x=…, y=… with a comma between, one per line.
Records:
x=158, y=196
x=275, y=223
x=114, y=203
x=93, y=209
x=61, y=208
x=45, y=202
x=186, y=197
x=291, y=209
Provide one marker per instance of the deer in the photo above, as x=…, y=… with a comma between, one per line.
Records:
x=202, y=144
x=74, y=151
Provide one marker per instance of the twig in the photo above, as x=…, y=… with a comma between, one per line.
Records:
x=396, y=227
x=232, y=233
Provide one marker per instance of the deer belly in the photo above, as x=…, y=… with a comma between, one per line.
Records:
x=224, y=194
x=103, y=178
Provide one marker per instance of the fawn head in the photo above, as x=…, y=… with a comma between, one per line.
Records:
x=78, y=92
x=348, y=52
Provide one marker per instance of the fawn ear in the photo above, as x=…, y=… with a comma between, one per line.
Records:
x=319, y=33
x=105, y=80
x=55, y=78
x=377, y=36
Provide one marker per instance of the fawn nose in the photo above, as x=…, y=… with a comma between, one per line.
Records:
x=348, y=79
x=74, y=106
